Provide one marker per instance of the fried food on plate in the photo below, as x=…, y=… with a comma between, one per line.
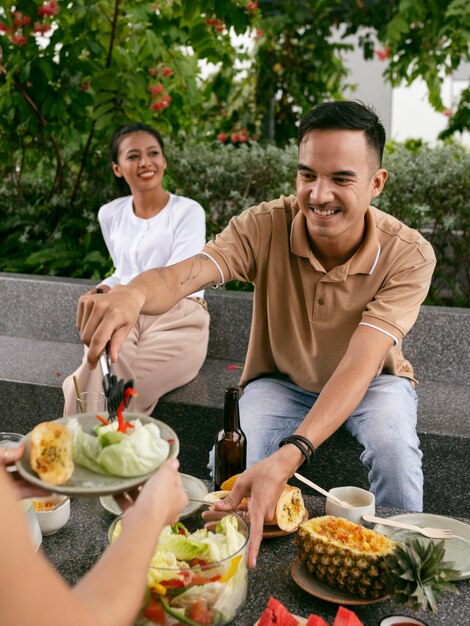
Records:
x=51, y=452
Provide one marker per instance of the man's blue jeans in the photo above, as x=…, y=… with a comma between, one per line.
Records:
x=384, y=423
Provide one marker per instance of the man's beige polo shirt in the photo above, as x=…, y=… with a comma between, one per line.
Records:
x=303, y=316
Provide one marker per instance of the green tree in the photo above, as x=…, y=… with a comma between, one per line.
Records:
x=69, y=73
x=299, y=58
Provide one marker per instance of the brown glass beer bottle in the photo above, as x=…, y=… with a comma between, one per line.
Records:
x=230, y=442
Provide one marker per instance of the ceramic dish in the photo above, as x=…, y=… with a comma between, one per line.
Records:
x=84, y=482
x=401, y=620
x=275, y=531
x=195, y=489
x=457, y=549
x=320, y=589
x=52, y=520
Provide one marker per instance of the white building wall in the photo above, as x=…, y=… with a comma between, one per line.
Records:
x=405, y=111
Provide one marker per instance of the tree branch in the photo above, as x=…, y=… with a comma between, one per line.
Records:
x=92, y=128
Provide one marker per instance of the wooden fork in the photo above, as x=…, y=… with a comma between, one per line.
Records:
x=433, y=533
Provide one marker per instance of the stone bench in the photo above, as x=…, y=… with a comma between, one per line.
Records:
x=39, y=347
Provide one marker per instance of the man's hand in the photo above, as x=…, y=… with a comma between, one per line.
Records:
x=262, y=484
x=107, y=316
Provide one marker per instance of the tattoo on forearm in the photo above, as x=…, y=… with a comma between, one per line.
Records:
x=194, y=270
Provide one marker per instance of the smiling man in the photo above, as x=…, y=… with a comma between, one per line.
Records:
x=338, y=284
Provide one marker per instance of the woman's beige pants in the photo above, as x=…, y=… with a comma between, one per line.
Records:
x=161, y=353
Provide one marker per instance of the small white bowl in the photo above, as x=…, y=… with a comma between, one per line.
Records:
x=401, y=620
x=361, y=500
x=51, y=521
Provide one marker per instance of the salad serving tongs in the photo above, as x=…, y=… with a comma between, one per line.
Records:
x=114, y=389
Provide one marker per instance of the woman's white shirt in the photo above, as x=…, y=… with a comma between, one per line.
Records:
x=136, y=244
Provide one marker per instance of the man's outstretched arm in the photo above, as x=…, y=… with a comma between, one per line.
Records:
x=110, y=316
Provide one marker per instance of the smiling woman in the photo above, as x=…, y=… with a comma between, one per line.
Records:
x=148, y=227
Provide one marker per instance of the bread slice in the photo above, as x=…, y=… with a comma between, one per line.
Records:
x=51, y=452
x=290, y=509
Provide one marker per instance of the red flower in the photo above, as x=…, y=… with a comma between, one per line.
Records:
x=222, y=137
x=252, y=7
x=166, y=71
x=166, y=100
x=259, y=33
x=152, y=71
x=447, y=112
x=18, y=40
x=41, y=28
x=156, y=106
x=154, y=89
x=4, y=30
x=48, y=8
x=21, y=20
x=383, y=54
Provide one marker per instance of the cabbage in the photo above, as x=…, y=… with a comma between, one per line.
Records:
x=139, y=452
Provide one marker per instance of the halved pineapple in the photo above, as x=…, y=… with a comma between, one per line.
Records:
x=346, y=555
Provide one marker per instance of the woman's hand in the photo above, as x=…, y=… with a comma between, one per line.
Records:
x=8, y=456
x=164, y=487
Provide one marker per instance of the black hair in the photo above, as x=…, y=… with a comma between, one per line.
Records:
x=118, y=136
x=346, y=115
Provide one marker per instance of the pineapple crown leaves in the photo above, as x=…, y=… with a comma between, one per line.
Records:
x=417, y=575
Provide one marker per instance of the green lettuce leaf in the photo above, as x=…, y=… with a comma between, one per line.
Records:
x=139, y=452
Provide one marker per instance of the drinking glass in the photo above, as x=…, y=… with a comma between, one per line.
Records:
x=91, y=402
x=10, y=440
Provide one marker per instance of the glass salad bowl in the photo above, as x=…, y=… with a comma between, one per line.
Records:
x=198, y=573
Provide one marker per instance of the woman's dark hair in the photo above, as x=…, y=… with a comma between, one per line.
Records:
x=118, y=136
x=346, y=115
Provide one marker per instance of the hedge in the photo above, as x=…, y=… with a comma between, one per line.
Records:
x=428, y=188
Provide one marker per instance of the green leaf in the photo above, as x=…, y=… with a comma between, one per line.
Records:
x=191, y=11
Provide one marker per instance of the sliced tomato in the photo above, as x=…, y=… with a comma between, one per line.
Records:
x=173, y=583
x=200, y=612
x=195, y=562
x=154, y=611
x=201, y=580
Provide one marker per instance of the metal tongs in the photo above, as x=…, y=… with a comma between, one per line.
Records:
x=114, y=389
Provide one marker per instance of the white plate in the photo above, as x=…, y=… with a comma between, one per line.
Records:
x=320, y=589
x=457, y=549
x=84, y=482
x=195, y=489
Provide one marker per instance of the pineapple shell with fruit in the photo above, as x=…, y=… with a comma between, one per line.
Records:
x=371, y=565
x=345, y=555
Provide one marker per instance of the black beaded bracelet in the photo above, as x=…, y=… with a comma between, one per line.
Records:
x=293, y=439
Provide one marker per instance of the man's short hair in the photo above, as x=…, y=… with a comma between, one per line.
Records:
x=346, y=115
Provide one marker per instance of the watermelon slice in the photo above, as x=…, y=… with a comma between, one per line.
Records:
x=276, y=613
x=315, y=620
x=345, y=617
